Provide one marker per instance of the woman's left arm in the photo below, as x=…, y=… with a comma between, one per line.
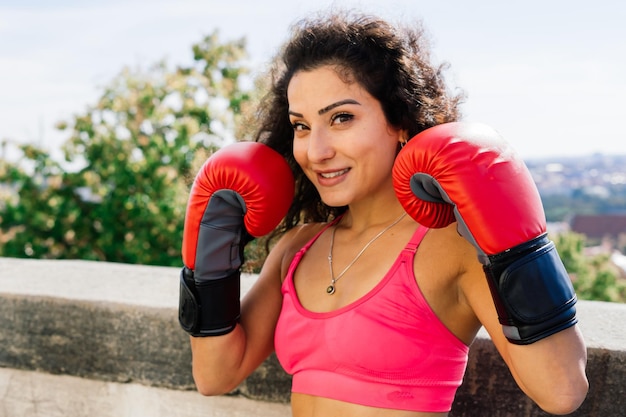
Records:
x=551, y=371
x=521, y=293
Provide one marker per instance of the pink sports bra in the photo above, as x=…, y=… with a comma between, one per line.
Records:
x=388, y=349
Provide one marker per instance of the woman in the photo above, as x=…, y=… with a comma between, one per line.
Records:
x=370, y=311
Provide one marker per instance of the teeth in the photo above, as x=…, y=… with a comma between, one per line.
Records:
x=334, y=174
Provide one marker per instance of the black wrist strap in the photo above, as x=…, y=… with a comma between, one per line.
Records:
x=209, y=309
x=532, y=291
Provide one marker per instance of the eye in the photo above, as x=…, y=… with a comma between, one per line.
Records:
x=299, y=127
x=341, y=118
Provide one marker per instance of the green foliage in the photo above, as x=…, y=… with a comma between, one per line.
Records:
x=121, y=193
x=594, y=277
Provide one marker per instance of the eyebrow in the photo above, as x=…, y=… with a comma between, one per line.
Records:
x=329, y=107
x=337, y=104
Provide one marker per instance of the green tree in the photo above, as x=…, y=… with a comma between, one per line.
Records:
x=594, y=278
x=121, y=193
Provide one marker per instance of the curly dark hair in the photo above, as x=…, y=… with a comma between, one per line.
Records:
x=391, y=63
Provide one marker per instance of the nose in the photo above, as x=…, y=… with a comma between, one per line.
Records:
x=320, y=146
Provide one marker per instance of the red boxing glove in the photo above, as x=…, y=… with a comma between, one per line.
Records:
x=242, y=191
x=466, y=172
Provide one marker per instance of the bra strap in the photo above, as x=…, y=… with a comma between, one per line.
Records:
x=416, y=239
x=312, y=241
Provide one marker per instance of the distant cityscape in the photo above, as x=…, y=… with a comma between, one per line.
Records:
x=596, y=174
x=590, y=194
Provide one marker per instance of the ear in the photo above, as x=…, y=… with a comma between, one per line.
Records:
x=403, y=137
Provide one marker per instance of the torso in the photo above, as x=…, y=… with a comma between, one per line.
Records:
x=436, y=271
x=438, y=265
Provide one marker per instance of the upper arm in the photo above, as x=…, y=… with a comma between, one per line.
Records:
x=221, y=363
x=551, y=371
x=261, y=305
x=477, y=295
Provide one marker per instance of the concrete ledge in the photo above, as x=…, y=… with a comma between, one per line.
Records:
x=36, y=394
x=116, y=324
x=106, y=321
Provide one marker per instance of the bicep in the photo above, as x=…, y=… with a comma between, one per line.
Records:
x=260, y=308
x=262, y=304
x=542, y=369
x=221, y=363
x=478, y=295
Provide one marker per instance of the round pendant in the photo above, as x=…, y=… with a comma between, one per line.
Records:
x=330, y=290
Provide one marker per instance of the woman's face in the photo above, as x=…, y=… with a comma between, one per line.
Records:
x=342, y=139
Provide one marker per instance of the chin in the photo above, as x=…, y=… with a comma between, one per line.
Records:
x=335, y=203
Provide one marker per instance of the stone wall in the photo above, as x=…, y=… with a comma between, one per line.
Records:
x=116, y=325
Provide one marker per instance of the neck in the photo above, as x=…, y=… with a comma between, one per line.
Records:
x=359, y=219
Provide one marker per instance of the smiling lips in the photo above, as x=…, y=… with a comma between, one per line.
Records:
x=329, y=175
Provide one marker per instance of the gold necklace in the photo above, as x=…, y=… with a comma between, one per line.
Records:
x=330, y=290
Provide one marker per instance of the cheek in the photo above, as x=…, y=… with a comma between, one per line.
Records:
x=381, y=147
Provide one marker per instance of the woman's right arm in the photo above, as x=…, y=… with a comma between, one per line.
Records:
x=221, y=363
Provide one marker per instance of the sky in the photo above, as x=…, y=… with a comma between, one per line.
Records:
x=550, y=76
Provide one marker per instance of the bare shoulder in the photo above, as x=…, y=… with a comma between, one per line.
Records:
x=449, y=244
x=463, y=267
x=262, y=302
x=290, y=243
